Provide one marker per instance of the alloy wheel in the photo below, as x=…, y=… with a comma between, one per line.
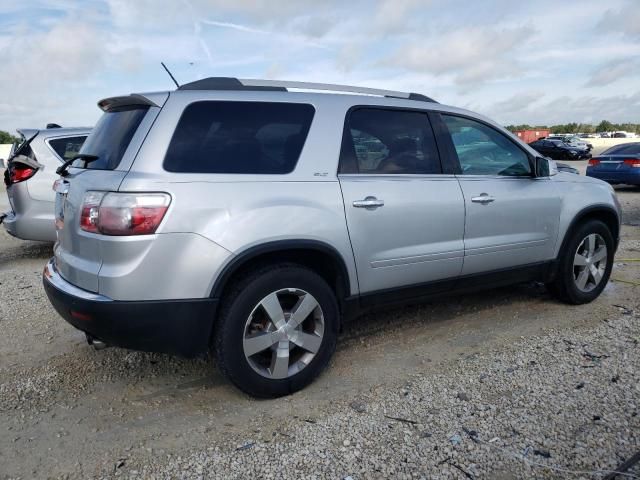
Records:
x=590, y=262
x=283, y=333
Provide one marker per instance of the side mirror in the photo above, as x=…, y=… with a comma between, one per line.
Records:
x=545, y=167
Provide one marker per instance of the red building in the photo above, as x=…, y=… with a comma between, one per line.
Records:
x=528, y=136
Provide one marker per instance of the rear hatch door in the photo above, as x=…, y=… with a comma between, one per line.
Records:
x=115, y=140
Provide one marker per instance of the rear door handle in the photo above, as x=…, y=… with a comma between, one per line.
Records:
x=370, y=203
x=483, y=198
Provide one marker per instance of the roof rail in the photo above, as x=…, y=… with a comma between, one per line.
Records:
x=231, y=83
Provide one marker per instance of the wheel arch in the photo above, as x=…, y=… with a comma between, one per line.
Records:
x=605, y=213
x=319, y=256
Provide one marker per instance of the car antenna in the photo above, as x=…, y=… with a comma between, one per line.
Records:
x=172, y=77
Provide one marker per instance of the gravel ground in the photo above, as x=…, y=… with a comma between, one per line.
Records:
x=541, y=407
x=501, y=384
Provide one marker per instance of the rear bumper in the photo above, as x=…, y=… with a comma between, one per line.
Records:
x=26, y=227
x=180, y=327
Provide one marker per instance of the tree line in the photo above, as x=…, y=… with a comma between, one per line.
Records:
x=6, y=137
x=603, y=126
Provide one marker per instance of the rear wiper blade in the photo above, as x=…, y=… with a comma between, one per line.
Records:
x=88, y=158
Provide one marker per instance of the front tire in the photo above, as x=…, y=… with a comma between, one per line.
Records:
x=585, y=264
x=277, y=330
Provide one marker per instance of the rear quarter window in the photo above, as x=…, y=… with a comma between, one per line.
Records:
x=239, y=137
x=68, y=147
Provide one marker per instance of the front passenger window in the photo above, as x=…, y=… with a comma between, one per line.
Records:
x=483, y=150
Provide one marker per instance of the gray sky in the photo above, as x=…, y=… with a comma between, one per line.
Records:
x=518, y=62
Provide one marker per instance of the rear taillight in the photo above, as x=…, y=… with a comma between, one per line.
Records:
x=123, y=213
x=632, y=162
x=19, y=173
x=90, y=211
x=594, y=161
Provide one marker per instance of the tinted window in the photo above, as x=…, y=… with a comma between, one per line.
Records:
x=483, y=150
x=110, y=137
x=68, y=147
x=632, y=149
x=239, y=137
x=378, y=141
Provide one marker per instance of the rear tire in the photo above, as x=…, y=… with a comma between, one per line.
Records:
x=584, y=265
x=277, y=330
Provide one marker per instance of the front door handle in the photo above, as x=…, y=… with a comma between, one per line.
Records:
x=483, y=198
x=370, y=203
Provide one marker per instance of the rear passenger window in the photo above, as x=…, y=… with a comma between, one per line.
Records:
x=239, y=137
x=380, y=141
x=68, y=147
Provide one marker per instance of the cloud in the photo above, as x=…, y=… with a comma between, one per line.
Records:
x=525, y=62
x=255, y=31
x=517, y=103
x=470, y=55
x=625, y=20
x=315, y=26
x=128, y=14
x=613, y=71
x=578, y=108
x=70, y=50
x=391, y=16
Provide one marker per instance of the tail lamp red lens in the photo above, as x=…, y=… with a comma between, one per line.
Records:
x=19, y=173
x=632, y=162
x=594, y=161
x=123, y=213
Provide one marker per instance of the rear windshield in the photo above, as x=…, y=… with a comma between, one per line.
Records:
x=239, y=137
x=633, y=149
x=111, y=136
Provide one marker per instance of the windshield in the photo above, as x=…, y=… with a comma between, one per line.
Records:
x=111, y=136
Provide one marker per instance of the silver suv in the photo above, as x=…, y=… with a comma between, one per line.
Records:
x=31, y=170
x=255, y=217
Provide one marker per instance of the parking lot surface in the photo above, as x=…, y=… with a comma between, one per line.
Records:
x=506, y=383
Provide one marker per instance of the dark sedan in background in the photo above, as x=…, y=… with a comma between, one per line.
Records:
x=558, y=150
x=563, y=167
x=618, y=164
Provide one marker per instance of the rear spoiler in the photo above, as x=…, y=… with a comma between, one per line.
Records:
x=133, y=100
